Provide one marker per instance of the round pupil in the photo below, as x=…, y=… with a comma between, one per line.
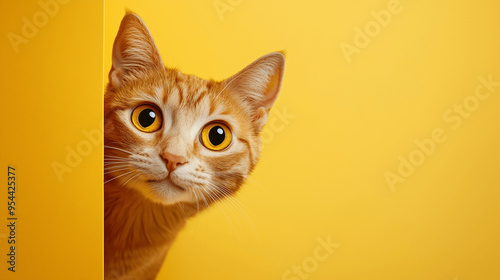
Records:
x=147, y=117
x=216, y=135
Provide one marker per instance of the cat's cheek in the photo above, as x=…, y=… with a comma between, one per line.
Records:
x=109, y=127
x=168, y=195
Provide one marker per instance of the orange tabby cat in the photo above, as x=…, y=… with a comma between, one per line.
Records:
x=174, y=143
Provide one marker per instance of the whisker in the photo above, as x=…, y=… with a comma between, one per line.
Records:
x=119, y=149
x=223, y=191
x=114, y=166
x=230, y=198
x=134, y=176
x=118, y=177
x=203, y=196
x=264, y=188
x=115, y=170
x=197, y=209
x=232, y=226
x=116, y=163
x=117, y=157
x=116, y=160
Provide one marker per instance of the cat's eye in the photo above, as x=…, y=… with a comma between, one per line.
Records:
x=216, y=136
x=147, y=118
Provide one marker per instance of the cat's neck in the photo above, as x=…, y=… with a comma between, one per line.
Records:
x=134, y=221
x=138, y=232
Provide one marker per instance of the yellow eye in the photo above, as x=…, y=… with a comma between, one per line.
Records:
x=216, y=136
x=147, y=118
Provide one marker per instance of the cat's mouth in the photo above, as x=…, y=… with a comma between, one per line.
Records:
x=167, y=182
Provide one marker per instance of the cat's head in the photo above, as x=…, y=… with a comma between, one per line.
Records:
x=176, y=137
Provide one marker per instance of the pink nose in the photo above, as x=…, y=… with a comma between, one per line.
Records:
x=172, y=161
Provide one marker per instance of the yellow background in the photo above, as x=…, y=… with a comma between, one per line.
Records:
x=323, y=173
x=51, y=93
x=322, y=170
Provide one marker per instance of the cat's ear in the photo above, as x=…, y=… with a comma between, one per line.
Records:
x=134, y=51
x=258, y=85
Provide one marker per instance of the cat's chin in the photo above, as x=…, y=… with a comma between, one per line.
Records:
x=164, y=191
x=168, y=183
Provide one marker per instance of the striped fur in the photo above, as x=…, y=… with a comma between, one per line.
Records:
x=145, y=204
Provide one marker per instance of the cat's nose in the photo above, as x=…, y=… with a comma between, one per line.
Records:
x=172, y=161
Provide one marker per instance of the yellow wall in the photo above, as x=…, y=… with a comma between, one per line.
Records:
x=347, y=121
x=51, y=85
x=342, y=124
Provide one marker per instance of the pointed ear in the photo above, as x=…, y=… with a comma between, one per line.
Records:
x=258, y=85
x=134, y=51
